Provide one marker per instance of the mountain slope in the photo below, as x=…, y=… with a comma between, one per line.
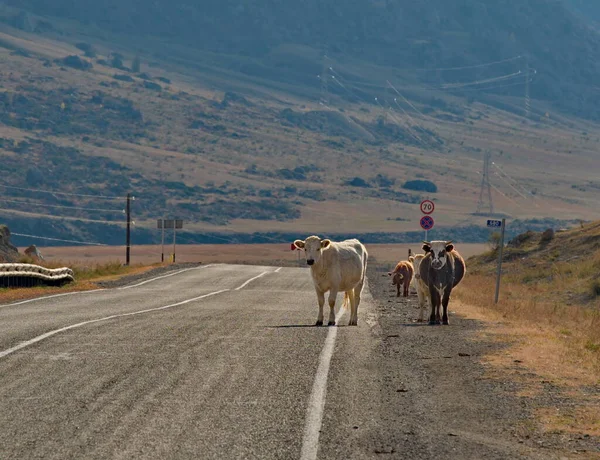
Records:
x=235, y=143
x=407, y=34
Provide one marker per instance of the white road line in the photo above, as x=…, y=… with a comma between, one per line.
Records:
x=278, y=270
x=51, y=297
x=92, y=291
x=106, y=318
x=316, y=402
x=249, y=281
x=164, y=276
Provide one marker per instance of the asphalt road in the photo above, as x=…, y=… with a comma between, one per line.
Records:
x=212, y=362
x=223, y=362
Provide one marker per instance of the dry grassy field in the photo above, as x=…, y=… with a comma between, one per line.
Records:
x=220, y=253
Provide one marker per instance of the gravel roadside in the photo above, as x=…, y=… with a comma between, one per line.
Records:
x=438, y=398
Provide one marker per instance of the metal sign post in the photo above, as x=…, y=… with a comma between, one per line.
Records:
x=169, y=223
x=426, y=222
x=177, y=224
x=496, y=224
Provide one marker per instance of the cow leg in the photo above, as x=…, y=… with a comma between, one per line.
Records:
x=353, y=308
x=421, y=296
x=435, y=301
x=405, y=289
x=397, y=290
x=356, y=292
x=321, y=299
x=445, y=301
x=332, y=297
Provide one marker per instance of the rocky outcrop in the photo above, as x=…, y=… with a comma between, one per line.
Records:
x=33, y=252
x=8, y=252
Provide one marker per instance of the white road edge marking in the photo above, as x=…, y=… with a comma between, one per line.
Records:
x=106, y=318
x=278, y=270
x=164, y=276
x=316, y=402
x=91, y=291
x=51, y=297
x=250, y=280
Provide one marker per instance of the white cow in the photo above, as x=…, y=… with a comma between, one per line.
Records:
x=335, y=267
x=421, y=286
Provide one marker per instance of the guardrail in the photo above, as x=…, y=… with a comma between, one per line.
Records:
x=30, y=275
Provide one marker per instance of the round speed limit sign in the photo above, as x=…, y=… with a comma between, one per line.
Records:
x=427, y=206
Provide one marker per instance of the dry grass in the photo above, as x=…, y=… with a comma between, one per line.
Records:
x=549, y=311
x=575, y=329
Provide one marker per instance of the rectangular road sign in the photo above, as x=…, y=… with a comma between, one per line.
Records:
x=169, y=223
x=494, y=223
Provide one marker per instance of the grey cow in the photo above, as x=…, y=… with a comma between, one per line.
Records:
x=441, y=270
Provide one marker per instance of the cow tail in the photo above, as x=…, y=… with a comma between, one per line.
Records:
x=346, y=304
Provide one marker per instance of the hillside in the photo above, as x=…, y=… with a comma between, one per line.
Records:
x=245, y=153
x=405, y=35
x=589, y=9
x=562, y=270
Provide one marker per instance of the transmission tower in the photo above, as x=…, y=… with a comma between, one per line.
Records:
x=485, y=185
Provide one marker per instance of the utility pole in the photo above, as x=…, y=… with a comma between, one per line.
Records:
x=162, y=241
x=174, y=237
x=128, y=235
x=485, y=185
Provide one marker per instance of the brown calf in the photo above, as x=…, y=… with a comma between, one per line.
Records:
x=402, y=275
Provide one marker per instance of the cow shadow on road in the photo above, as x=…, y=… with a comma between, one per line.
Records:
x=288, y=326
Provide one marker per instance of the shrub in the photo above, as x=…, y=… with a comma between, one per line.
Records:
x=123, y=77
x=421, y=186
x=87, y=49
x=75, y=62
x=151, y=85
x=357, y=182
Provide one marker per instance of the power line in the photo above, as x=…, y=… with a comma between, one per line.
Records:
x=87, y=243
x=105, y=197
x=481, y=82
x=489, y=87
x=475, y=66
x=64, y=218
x=60, y=206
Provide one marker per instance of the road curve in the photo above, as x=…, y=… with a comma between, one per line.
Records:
x=219, y=361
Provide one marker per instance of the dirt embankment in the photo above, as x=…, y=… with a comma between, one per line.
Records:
x=443, y=398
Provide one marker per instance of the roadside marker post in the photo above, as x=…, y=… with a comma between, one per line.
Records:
x=496, y=224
